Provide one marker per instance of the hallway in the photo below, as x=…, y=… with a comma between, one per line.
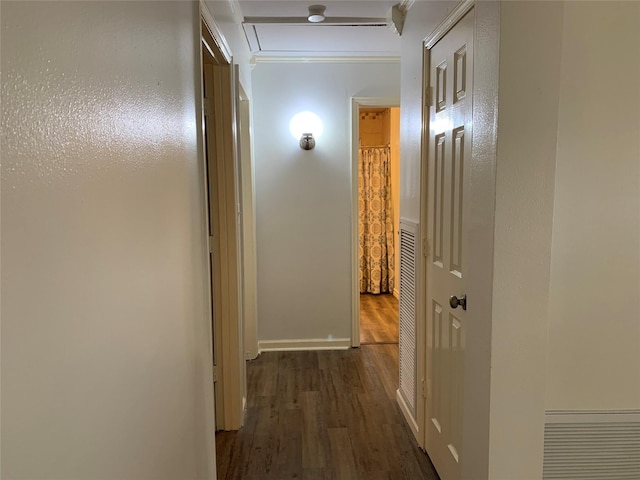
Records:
x=323, y=415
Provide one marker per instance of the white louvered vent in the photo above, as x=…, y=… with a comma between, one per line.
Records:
x=408, y=333
x=592, y=445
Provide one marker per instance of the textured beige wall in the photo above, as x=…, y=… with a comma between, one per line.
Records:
x=106, y=357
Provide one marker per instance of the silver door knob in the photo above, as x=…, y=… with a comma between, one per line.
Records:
x=455, y=302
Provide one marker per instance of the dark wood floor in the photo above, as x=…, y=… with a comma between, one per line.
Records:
x=323, y=415
x=378, y=318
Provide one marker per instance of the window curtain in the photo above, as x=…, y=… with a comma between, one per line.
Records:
x=376, y=221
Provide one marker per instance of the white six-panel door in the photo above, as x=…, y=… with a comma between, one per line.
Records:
x=450, y=73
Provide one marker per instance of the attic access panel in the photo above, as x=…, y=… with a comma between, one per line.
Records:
x=341, y=40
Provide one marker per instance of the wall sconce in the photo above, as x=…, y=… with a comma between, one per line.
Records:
x=306, y=126
x=307, y=142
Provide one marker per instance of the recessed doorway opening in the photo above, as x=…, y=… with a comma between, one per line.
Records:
x=376, y=215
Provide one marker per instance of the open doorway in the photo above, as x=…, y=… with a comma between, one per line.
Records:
x=378, y=217
x=222, y=171
x=376, y=214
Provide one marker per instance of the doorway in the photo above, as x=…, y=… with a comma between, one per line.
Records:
x=449, y=160
x=222, y=173
x=457, y=215
x=378, y=223
x=373, y=104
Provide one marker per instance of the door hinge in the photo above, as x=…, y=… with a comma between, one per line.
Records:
x=427, y=94
x=205, y=103
x=425, y=247
x=423, y=388
x=215, y=373
x=210, y=243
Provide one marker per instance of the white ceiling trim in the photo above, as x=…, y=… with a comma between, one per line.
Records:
x=325, y=59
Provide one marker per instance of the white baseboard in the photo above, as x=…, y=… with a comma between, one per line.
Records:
x=406, y=411
x=396, y=293
x=304, y=344
x=251, y=355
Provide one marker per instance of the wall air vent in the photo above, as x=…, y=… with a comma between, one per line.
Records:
x=592, y=445
x=408, y=325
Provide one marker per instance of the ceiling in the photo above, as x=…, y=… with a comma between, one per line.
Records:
x=352, y=29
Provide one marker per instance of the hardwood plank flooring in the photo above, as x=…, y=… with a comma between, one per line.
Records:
x=323, y=415
x=378, y=318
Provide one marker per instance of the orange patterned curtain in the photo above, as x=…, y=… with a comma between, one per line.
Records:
x=376, y=221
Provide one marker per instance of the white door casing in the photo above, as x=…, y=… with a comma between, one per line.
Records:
x=212, y=221
x=450, y=92
x=219, y=90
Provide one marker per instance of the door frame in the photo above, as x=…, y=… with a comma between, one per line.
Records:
x=223, y=170
x=248, y=207
x=356, y=103
x=477, y=369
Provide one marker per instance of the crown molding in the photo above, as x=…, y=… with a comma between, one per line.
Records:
x=324, y=59
x=236, y=11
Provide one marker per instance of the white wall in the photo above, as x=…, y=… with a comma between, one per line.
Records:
x=567, y=247
x=304, y=197
x=530, y=42
x=594, y=301
x=105, y=331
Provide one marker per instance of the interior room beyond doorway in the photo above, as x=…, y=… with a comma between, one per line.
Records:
x=378, y=223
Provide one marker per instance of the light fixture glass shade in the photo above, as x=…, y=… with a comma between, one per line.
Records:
x=305, y=122
x=316, y=13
